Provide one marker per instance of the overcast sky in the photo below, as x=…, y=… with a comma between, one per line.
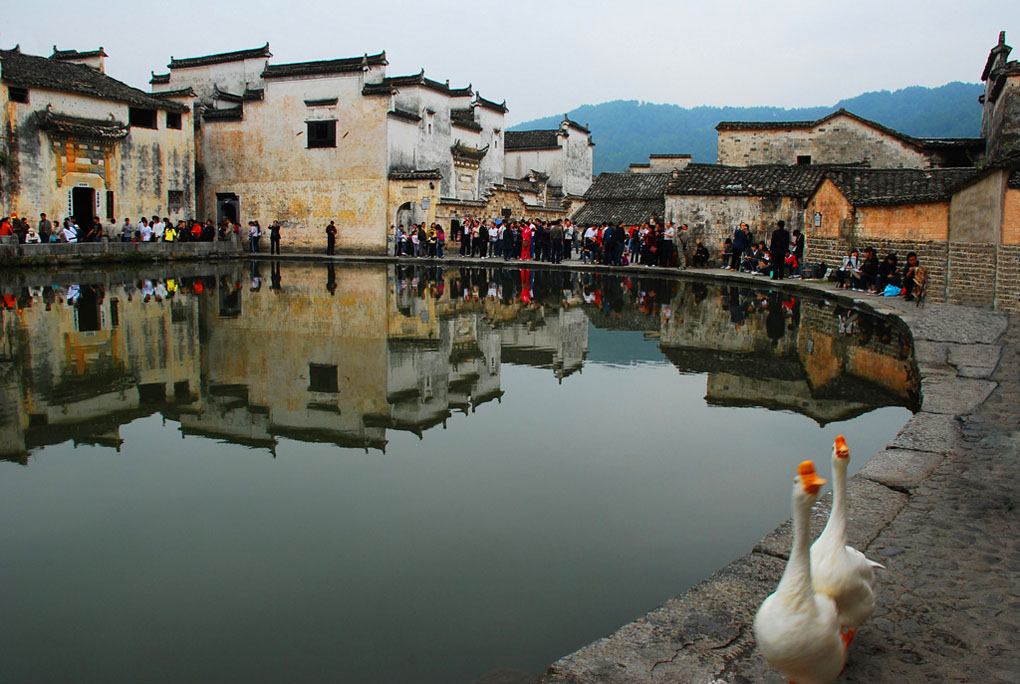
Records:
x=547, y=57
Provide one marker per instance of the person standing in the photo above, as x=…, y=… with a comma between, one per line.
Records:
x=253, y=236
x=45, y=228
x=331, y=239
x=778, y=247
x=556, y=237
x=274, y=237
x=740, y=243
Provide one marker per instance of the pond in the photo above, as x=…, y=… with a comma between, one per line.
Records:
x=301, y=472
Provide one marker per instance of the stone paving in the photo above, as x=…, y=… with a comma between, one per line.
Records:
x=938, y=507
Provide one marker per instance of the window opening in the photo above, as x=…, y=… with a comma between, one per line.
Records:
x=141, y=118
x=321, y=134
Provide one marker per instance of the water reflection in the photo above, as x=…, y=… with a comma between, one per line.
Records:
x=343, y=355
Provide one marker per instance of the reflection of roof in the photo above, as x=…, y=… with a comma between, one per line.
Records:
x=30, y=71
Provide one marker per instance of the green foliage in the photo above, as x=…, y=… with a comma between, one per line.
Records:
x=627, y=131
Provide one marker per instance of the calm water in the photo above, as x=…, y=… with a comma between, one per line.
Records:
x=300, y=473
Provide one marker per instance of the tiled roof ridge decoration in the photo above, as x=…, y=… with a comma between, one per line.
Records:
x=791, y=125
x=489, y=104
x=159, y=78
x=32, y=71
x=419, y=79
x=993, y=55
x=220, y=58
x=102, y=130
x=467, y=152
x=669, y=156
x=74, y=54
x=567, y=121
x=464, y=118
x=415, y=174
x=325, y=67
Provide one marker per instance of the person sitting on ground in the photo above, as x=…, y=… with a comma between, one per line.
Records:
x=700, y=255
x=888, y=273
x=32, y=237
x=869, y=271
x=849, y=273
x=727, y=252
x=913, y=277
x=763, y=260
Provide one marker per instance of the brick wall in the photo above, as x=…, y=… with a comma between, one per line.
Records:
x=932, y=255
x=1007, y=278
x=972, y=274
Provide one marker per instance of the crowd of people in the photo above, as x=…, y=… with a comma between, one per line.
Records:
x=650, y=244
x=146, y=229
x=886, y=277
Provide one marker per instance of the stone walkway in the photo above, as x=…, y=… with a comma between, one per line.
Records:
x=938, y=507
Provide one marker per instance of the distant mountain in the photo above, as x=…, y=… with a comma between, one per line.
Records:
x=627, y=131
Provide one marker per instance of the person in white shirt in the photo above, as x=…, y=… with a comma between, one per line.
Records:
x=157, y=229
x=69, y=233
x=145, y=229
x=32, y=237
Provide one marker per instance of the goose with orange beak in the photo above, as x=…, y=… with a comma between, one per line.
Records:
x=838, y=570
x=797, y=629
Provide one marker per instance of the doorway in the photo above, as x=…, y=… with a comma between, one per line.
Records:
x=227, y=207
x=83, y=207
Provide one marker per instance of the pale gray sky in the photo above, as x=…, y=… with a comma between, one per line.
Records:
x=549, y=57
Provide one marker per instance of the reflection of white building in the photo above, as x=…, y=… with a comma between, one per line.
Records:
x=559, y=340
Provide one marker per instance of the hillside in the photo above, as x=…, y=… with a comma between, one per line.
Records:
x=627, y=131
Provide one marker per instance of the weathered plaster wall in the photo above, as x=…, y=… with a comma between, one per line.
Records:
x=839, y=140
x=231, y=77
x=264, y=159
x=1003, y=131
x=490, y=171
x=577, y=163
x=140, y=169
x=976, y=211
x=919, y=222
x=1011, y=217
x=714, y=217
x=518, y=163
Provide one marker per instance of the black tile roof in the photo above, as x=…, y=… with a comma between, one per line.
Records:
x=630, y=212
x=100, y=130
x=30, y=71
x=325, y=67
x=533, y=140
x=769, y=180
x=224, y=95
x=574, y=124
x=875, y=187
x=236, y=56
x=159, y=78
x=180, y=92
x=406, y=116
x=1014, y=180
x=228, y=114
x=669, y=156
x=419, y=80
x=253, y=94
x=628, y=186
x=74, y=54
x=489, y=104
x=322, y=102
x=465, y=118
x=415, y=174
x=370, y=89
x=462, y=151
x=632, y=198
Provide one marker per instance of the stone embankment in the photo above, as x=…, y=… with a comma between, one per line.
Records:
x=938, y=507
x=59, y=253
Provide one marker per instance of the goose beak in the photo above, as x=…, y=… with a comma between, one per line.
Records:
x=842, y=450
x=809, y=478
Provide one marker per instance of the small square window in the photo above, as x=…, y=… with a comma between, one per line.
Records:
x=141, y=118
x=173, y=120
x=175, y=200
x=803, y=159
x=323, y=378
x=18, y=94
x=321, y=134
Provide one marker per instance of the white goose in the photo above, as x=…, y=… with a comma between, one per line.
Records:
x=838, y=570
x=797, y=629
